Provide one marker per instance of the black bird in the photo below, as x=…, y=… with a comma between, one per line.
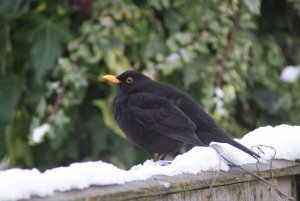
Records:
x=159, y=117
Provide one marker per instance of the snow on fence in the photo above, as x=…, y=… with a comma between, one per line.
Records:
x=236, y=184
x=188, y=176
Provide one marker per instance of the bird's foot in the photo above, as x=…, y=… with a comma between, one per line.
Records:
x=159, y=156
x=163, y=162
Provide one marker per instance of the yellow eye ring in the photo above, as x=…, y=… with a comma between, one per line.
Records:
x=129, y=80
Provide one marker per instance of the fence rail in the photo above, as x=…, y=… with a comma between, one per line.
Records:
x=235, y=184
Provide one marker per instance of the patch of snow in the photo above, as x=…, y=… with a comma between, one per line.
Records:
x=290, y=74
x=4, y=163
x=23, y=183
x=159, y=67
x=219, y=92
x=284, y=138
x=165, y=184
x=39, y=133
x=219, y=101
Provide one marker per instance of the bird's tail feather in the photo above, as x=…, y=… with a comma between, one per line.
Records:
x=243, y=148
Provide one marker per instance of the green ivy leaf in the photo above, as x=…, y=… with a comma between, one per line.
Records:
x=154, y=45
x=47, y=39
x=190, y=76
x=253, y=6
x=108, y=117
x=10, y=92
x=18, y=149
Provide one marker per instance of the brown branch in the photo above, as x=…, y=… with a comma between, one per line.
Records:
x=60, y=94
x=229, y=47
x=57, y=103
x=93, y=77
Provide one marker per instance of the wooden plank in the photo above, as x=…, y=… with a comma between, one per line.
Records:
x=188, y=187
x=250, y=191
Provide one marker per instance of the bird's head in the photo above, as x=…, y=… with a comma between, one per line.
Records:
x=129, y=81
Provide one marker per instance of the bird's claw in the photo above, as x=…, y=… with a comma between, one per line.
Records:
x=163, y=162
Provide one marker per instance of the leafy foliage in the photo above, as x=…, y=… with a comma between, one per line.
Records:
x=53, y=52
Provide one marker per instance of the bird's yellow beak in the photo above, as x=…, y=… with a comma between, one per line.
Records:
x=112, y=78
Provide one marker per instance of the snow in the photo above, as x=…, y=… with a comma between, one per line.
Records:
x=285, y=139
x=4, y=163
x=24, y=183
x=290, y=74
x=218, y=101
x=165, y=184
x=39, y=133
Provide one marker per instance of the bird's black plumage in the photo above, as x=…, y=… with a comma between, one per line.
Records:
x=159, y=118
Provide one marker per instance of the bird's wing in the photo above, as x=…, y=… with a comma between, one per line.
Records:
x=156, y=113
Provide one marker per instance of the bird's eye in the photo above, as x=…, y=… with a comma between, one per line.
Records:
x=129, y=80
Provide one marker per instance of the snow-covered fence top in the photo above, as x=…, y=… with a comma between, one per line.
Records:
x=235, y=184
x=188, y=176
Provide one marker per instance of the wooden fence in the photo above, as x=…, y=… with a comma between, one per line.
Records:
x=235, y=184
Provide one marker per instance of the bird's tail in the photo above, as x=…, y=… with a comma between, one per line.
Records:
x=243, y=148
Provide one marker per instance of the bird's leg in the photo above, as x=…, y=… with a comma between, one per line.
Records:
x=159, y=159
x=159, y=156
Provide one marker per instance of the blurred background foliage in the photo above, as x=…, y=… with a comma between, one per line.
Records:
x=53, y=52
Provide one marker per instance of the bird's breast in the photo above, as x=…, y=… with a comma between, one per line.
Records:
x=143, y=137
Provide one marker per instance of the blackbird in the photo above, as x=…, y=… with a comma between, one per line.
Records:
x=159, y=118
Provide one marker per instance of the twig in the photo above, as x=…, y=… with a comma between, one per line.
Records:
x=213, y=183
x=228, y=48
x=273, y=186
x=194, y=40
x=271, y=169
x=93, y=77
x=57, y=103
x=261, y=151
x=59, y=97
